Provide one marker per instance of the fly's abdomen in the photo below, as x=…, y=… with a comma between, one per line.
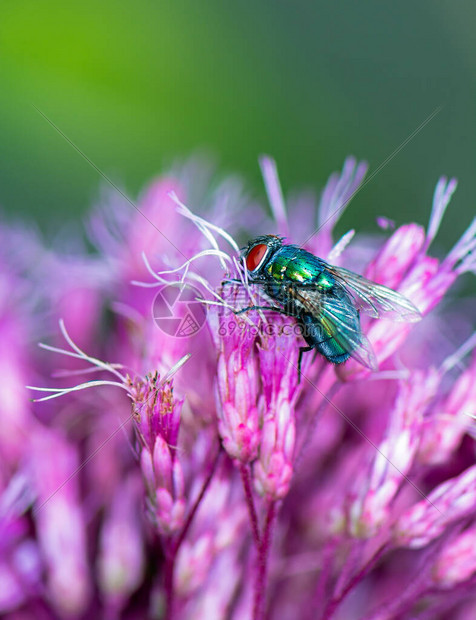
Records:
x=319, y=338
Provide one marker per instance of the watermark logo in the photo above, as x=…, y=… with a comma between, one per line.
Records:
x=178, y=310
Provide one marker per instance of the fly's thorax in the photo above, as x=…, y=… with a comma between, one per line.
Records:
x=276, y=268
x=293, y=265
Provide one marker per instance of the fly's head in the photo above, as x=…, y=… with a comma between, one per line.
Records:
x=258, y=253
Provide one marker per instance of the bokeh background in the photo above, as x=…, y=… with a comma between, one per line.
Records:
x=137, y=85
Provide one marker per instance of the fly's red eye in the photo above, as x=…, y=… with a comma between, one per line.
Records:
x=255, y=256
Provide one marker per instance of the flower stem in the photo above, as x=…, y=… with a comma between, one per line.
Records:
x=169, y=580
x=311, y=423
x=417, y=588
x=354, y=553
x=245, y=477
x=172, y=548
x=263, y=553
x=366, y=568
x=211, y=472
x=328, y=555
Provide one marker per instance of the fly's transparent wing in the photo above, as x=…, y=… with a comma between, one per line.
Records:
x=338, y=321
x=338, y=318
x=375, y=299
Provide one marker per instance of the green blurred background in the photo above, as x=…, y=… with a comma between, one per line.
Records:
x=137, y=84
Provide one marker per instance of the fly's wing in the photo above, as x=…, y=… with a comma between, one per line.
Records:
x=338, y=319
x=375, y=299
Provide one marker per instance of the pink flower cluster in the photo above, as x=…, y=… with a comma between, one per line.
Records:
x=196, y=474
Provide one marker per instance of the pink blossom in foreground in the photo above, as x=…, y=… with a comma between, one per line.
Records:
x=157, y=417
x=194, y=474
x=120, y=567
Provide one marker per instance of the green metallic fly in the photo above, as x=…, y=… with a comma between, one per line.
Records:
x=325, y=300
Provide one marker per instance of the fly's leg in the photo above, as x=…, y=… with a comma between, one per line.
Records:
x=301, y=351
x=313, y=335
x=306, y=350
x=248, y=308
x=231, y=281
x=273, y=308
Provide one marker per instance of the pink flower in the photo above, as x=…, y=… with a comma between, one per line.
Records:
x=457, y=561
x=393, y=458
x=120, y=564
x=448, y=420
x=20, y=563
x=428, y=519
x=278, y=363
x=237, y=385
x=230, y=486
x=60, y=522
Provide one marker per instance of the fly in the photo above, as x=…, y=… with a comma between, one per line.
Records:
x=325, y=300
